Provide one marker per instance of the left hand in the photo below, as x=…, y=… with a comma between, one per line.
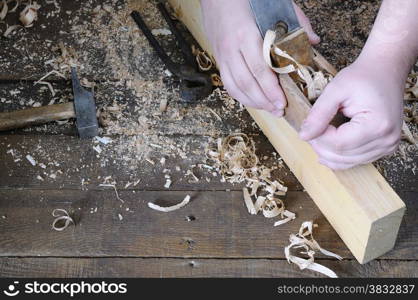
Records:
x=372, y=98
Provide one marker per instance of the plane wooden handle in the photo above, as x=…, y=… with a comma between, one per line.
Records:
x=36, y=116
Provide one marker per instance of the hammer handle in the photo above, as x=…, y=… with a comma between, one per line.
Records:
x=36, y=116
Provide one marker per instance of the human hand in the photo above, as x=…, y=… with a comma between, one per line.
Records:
x=372, y=97
x=237, y=45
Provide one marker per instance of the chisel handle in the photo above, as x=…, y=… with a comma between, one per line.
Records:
x=36, y=116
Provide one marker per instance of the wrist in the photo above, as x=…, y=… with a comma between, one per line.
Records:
x=386, y=63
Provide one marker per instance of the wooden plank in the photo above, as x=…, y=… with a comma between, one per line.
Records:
x=51, y=267
x=24, y=53
x=70, y=161
x=222, y=227
x=76, y=24
x=372, y=210
x=192, y=119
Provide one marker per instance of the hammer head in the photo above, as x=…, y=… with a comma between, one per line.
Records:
x=85, y=109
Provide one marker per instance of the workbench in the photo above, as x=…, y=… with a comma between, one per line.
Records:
x=118, y=235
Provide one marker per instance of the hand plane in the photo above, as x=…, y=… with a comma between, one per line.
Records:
x=280, y=16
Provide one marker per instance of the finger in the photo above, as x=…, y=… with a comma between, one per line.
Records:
x=349, y=137
x=355, y=138
x=321, y=114
x=336, y=166
x=232, y=88
x=306, y=24
x=363, y=158
x=247, y=84
x=266, y=79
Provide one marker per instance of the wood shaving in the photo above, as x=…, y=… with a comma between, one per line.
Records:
x=31, y=160
x=185, y=201
x=10, y=29
x=29, y=14
x=114, y=187
x=216, y=80
x=192, y=175
x=49, y=85
x=167, y=183
x=236, y=161
x=161, y=31
x=407, y=134
x=204, y=61
x=60, y=216
x=104, y=140
x=304, y=240
x=312, y=82
x=4, y=9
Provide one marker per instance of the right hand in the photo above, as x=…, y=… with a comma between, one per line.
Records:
x=237, y=45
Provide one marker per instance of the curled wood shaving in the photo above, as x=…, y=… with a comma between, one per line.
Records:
x=314, y=81
x=185, y=201
x=236, y=161
x=304, y=240
x=60, y=216
x=116, y=190
x=204, y=61
x=29, y=14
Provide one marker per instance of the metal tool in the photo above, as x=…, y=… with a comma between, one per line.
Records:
x=280, y=16
x=275, y=14
x=83, y=110
x=194, y=85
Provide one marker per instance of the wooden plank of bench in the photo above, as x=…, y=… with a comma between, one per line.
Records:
x=73, y=160
x=359, y=203
x=116, y=267
x=221, y=227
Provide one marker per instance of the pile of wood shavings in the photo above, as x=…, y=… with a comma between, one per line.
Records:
x=311, y=82
x=236, y=161
x=304, y=240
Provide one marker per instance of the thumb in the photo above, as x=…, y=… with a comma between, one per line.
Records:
x=321, y=114
x=314, y=39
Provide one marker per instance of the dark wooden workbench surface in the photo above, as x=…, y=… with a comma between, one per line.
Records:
x=212, y=236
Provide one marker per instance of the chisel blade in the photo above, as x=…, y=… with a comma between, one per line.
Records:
x=268, y=13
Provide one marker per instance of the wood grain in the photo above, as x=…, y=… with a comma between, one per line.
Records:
x=36, y=116
x=188, y=268
x=73, y=160
x=222, y=227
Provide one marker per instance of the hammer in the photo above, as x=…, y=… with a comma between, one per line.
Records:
x=83, y=110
